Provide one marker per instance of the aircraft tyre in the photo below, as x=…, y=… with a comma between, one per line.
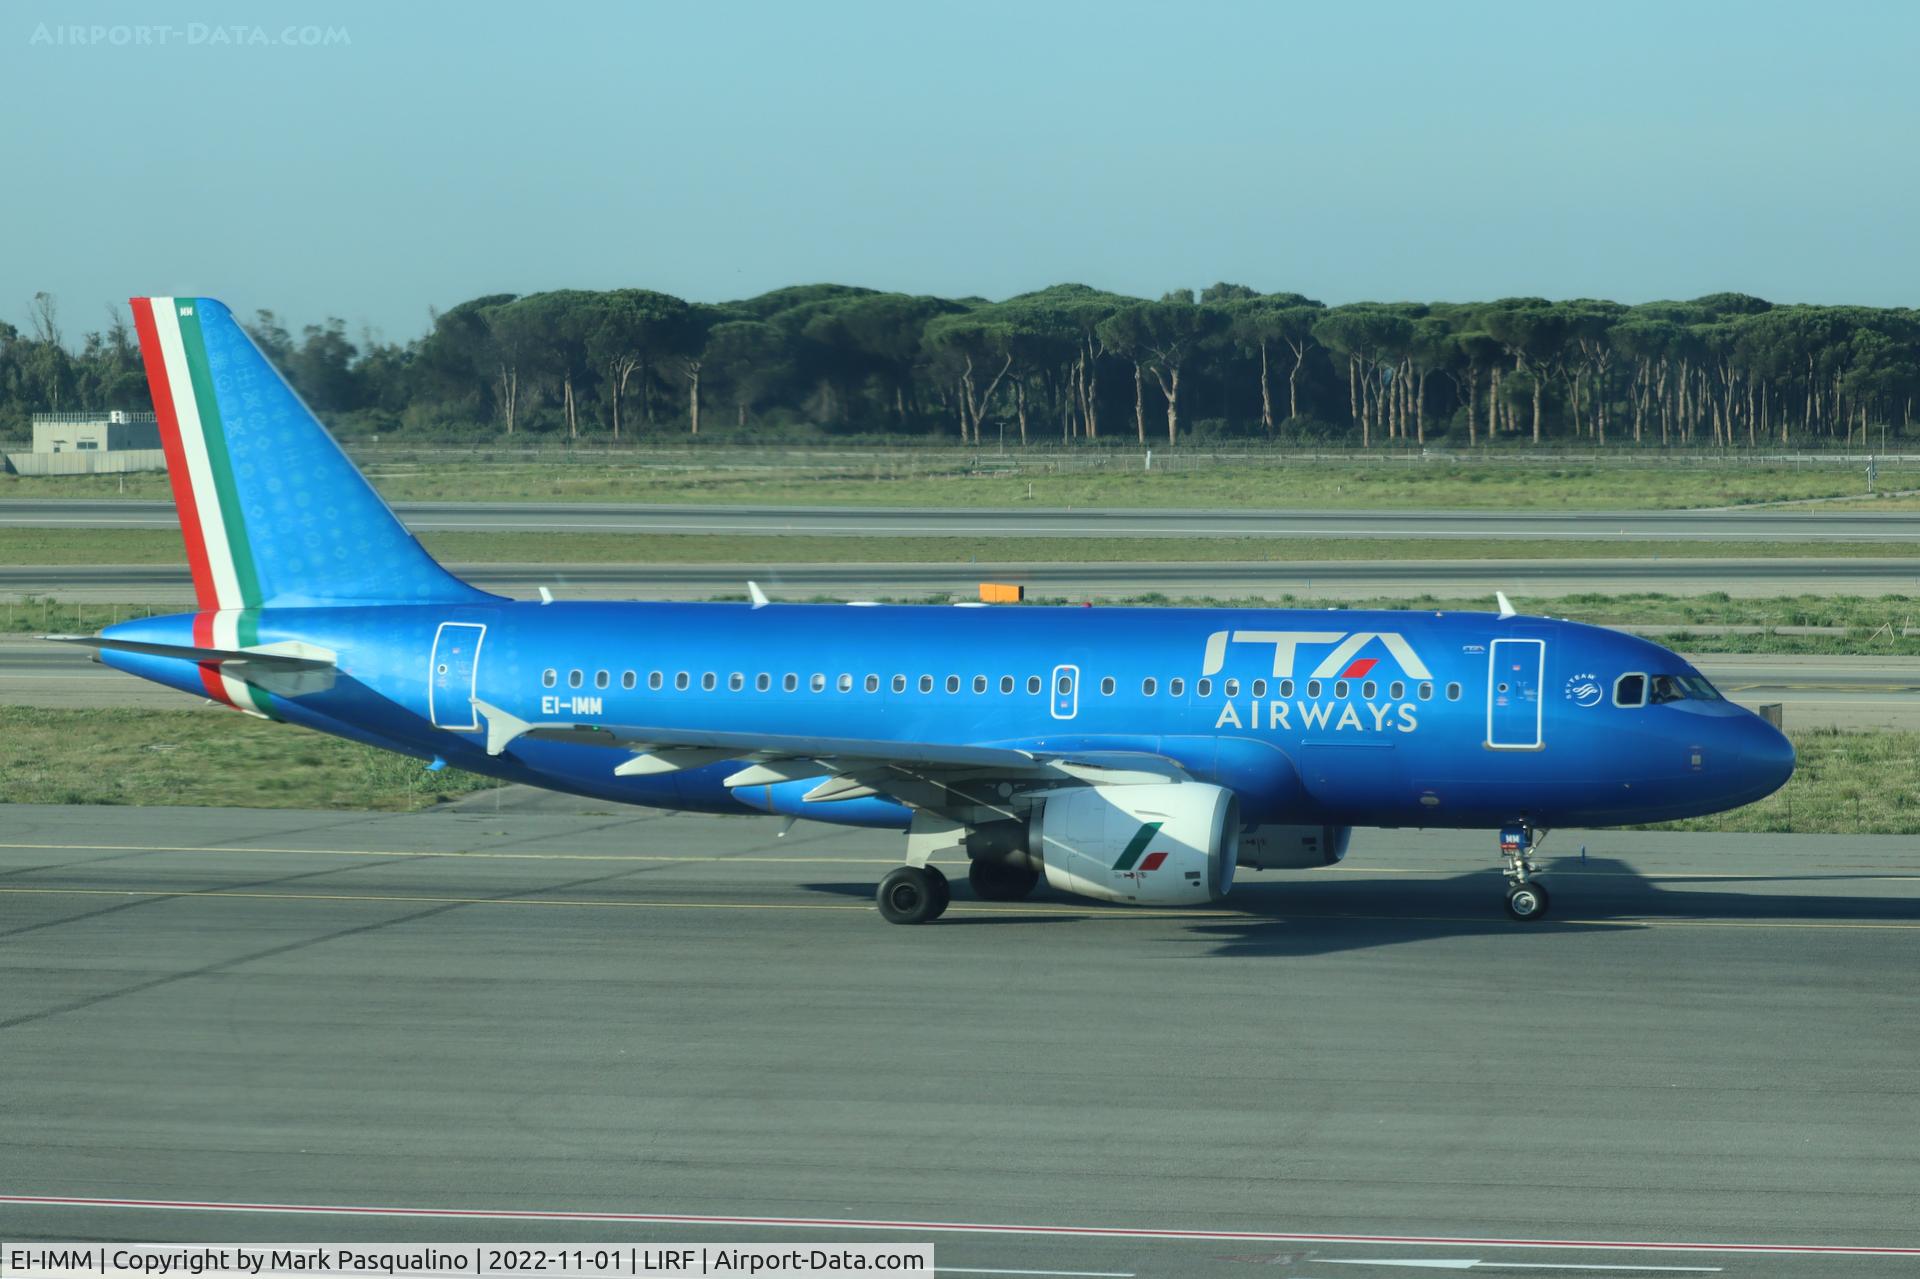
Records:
x=912, y=895
x=1001, y=882
x=1528, y=902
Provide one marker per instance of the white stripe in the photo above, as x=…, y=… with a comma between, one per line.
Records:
x=193, y=443
x=226, y=634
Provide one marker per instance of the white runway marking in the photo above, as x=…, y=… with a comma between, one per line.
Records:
x=972, y=1228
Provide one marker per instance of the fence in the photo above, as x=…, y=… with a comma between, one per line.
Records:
x=86, y=462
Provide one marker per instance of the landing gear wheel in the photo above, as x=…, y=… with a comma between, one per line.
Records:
x=1000, y=881
x=942, y=888
x=912, y=895
x=1528, y=902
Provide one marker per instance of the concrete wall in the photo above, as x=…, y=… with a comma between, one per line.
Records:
x=90, y=462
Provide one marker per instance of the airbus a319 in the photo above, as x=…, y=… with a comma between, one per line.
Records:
x=1137, y=756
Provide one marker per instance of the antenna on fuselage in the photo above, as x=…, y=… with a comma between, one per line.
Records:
x=1506, y=605
x=758, y=596
x=546, y=596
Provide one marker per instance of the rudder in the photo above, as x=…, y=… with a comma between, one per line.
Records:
x=274, y=514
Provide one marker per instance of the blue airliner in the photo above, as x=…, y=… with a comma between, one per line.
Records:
x=1129, y=755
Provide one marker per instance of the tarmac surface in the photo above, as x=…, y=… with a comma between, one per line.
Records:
x=1809, y=523
x=1707, y=1053
x=1331, y=580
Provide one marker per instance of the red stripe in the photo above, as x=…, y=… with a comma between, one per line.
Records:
x=209, y=672
x=177, y=473
x=1359, y=668
x=1154, y=861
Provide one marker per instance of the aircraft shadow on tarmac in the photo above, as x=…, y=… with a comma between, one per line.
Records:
x=1303, y=915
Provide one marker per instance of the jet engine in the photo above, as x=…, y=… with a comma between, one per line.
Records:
x=1293, y=847
x=1170, y=844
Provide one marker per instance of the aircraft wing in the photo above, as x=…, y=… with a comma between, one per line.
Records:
x=919, y=774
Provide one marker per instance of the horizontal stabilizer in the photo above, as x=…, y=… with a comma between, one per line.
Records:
x=289, y=668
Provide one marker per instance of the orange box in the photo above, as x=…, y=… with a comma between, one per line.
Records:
x=1001, y=593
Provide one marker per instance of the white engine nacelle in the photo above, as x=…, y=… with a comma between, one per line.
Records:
x=1293, y=847
x=1172, y=844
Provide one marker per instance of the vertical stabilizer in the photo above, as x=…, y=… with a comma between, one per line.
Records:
x=273, y=513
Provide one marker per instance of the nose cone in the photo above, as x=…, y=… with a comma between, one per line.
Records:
x=1766, y=759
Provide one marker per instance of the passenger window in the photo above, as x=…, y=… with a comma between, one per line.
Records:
x=1033, y=685
x=1064, y=686
x=1453, y=692
x=1146, y=687
x=926, y=683
x=953, y=683
x=1203, y=687
x=1006, y=683
x=763, y=681
x=1313, y=688
x=1176, y=687
x=1106, y=687
x=601, y=679
x=873, y=683
x=1630, y=690
x=1340, y=688
x=899, y=683
x=791, y=682
x=979, y=683
x=681, y=681
x=736, y=682
x=707, y=681
x=1286, y=688
x=1368, y=689
x=654, y=679
x=1397, y=691
x=1232, y=688
x=817, y=682
x=549, y=677
x=574, y=679
x=1425, y=691
x=844, y=683
x=1259, y=688
x=627, y=679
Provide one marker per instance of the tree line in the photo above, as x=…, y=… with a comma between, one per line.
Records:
x=1068, y=363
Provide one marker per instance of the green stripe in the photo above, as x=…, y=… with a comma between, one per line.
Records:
x=247, y=634
x=1137, y=845
x=213, y=430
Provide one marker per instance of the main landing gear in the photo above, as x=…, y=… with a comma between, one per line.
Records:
x=1527, y=898
x=913, y=895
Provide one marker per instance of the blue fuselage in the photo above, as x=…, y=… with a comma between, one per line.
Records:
x=1346, y=718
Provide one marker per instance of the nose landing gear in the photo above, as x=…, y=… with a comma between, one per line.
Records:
x=1527, y=898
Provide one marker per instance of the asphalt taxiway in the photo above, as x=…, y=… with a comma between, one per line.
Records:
x=1330, y=580
x=1823, y=522
x=1708, y=1050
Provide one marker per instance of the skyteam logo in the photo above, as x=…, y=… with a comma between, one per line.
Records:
x=1364, y=681
x=1584, y=689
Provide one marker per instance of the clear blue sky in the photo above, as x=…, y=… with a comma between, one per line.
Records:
x=714, y=150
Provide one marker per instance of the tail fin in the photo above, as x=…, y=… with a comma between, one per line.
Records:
x=272, y=511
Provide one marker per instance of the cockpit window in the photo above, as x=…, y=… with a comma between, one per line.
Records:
x=1666, y=688
x=1630, y=690
x=1679, y=688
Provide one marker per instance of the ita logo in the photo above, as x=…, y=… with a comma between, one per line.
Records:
x=1584, y=689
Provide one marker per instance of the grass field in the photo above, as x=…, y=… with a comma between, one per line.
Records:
x=1874, y=626
x=205, y=757
x=1847, y=783
x=163, y=546
x=982, y=481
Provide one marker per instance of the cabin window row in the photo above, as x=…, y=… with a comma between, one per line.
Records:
x=1397, y=690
